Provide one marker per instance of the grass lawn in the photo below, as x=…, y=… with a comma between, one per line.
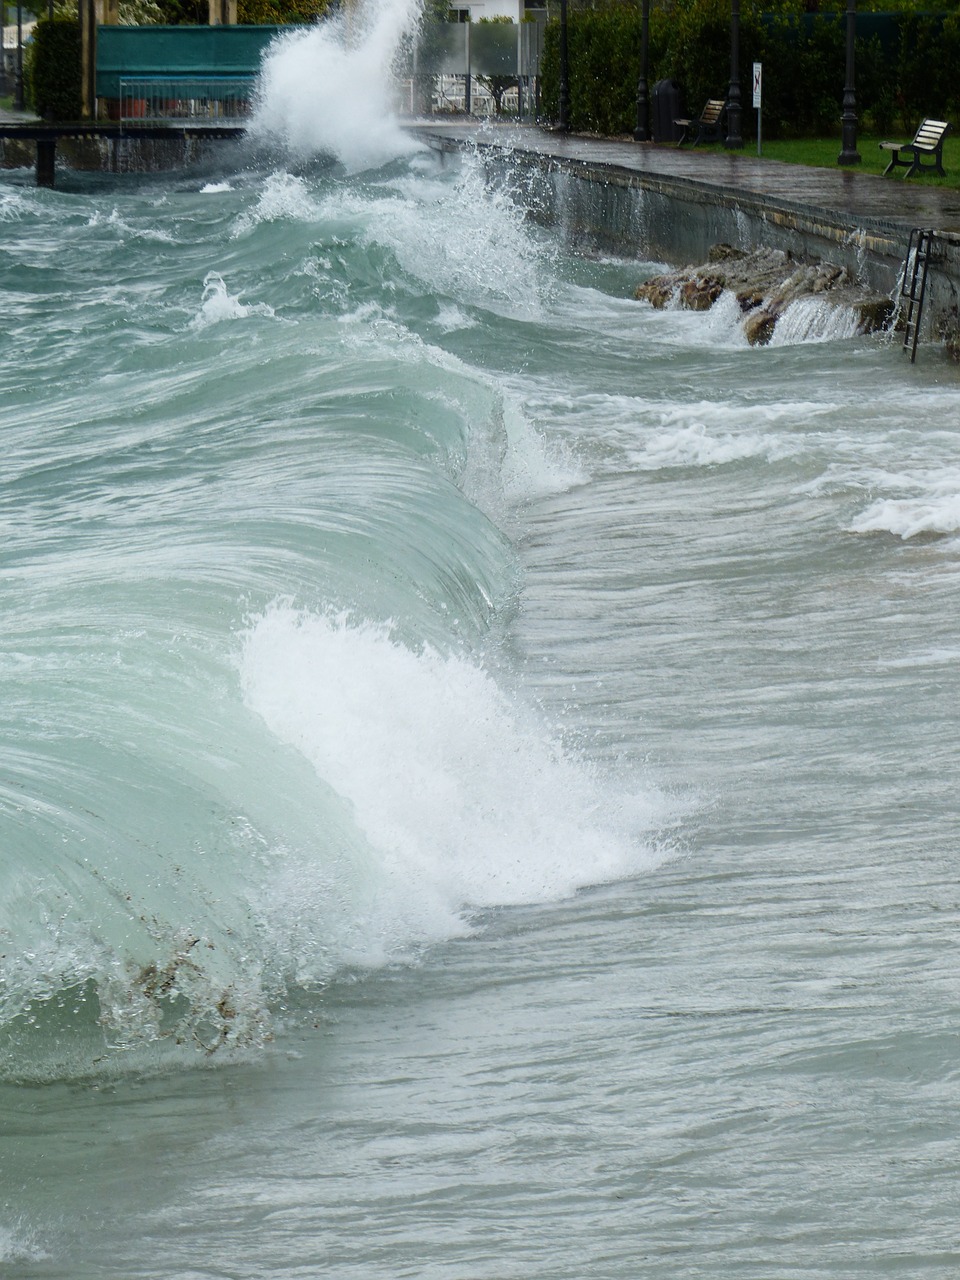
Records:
x=823, y=152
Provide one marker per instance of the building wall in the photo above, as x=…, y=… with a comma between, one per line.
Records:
x=511, y=9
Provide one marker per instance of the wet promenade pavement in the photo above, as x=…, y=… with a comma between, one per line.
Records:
x=859, y=200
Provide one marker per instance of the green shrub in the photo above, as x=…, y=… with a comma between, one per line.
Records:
x=604, y=57
x=278, y=12
x=905, y=64
x=54, y=69
x=876, y=86
x=699, y=53
x=926, y=82
x=185, y=12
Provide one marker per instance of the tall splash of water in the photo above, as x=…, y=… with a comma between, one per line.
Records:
x=328, y=90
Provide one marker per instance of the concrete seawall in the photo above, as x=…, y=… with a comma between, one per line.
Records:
x=660, y=203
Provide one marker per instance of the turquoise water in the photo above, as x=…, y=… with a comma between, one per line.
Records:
x=479, y=755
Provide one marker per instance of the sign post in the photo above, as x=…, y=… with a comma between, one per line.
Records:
x=757, y=95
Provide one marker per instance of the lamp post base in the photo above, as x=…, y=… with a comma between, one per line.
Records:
x=848, y=141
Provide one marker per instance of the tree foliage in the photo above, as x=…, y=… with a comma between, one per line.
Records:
x=905, y=63
x=269, y=12
x=54, y=68
x=249, y=12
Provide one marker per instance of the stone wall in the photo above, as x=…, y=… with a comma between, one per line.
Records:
x=675, y=220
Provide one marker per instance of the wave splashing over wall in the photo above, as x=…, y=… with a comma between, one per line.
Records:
x=327, y=91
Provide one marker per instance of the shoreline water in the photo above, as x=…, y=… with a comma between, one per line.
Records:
x=500, y=736
x=645, y=200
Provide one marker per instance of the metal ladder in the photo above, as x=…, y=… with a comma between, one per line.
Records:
x=914, y=286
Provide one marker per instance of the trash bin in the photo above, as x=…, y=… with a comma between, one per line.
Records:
x=666, y=109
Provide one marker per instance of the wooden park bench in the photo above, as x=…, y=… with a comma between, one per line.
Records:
x=928, y=141
x=709, y=124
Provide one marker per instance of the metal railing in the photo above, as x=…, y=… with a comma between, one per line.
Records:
x=156, y=100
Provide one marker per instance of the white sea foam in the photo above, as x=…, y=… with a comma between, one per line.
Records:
x=327, y=90
x=116, y=222
x=283, y=197
x=652, y=434
x=695, y=446
x=930, y=513
x=721, y=324
x=451, y=318
x=457, y=238
x=807, y=320
x=908, y=501
x=218, y=304
x=12, y=206
x=19, y=1246
x=460, y=791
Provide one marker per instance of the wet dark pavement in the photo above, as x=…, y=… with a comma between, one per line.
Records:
x=856, y=198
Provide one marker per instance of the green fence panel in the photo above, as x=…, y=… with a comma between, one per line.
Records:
x=493, y=49
x=165, y=52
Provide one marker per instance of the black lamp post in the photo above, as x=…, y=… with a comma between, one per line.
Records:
x=563, y=124
x=3, y=52
x=642, y=132
x=18, y=88
x=734, y=141
x=848, y=125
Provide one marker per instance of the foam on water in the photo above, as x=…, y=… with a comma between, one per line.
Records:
x=458, y=239
x=936, y=512
x=283, y=196
x=466, y=799
x=17, y=1246
x=451, y=318
x=653, y=434
x=13, y=205
x=116, y=222
x=695, y=446
x=218, y=305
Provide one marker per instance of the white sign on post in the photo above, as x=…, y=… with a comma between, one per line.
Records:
x=757, y=95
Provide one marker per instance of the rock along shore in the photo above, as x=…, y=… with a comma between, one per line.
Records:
x=765, y=283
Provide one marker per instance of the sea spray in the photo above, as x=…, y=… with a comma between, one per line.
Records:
x=327, y=91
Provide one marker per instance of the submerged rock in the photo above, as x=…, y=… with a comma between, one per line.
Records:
x=764, y=283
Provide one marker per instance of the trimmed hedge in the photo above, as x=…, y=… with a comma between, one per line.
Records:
x=905, y=65
x=54, y=69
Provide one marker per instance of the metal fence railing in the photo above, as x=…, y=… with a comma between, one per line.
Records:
x=220, y=100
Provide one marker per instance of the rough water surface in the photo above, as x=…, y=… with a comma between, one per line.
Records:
x=479, y=754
